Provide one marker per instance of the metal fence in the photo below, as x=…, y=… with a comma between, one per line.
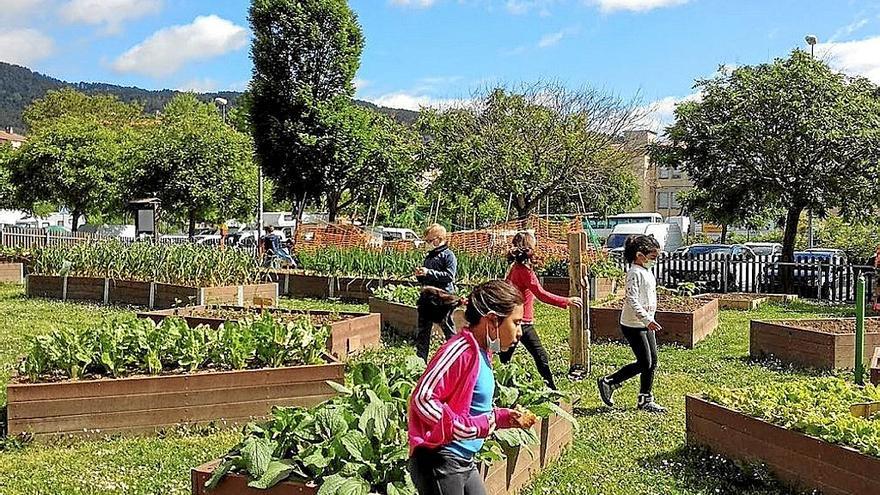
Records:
x=831, y=280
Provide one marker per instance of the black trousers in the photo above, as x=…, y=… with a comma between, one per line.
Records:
x=437, y=472
x=426, y=324
x=532, y=343
x=644, y=345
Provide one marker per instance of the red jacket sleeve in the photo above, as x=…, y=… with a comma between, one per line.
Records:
x=543, y=294
x=440, y=380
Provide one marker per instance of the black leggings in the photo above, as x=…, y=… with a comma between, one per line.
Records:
x=437, y=472
x=426, y=325
x=644, y=346
x=532, y=342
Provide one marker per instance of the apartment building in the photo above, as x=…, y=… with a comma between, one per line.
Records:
x=658, y=186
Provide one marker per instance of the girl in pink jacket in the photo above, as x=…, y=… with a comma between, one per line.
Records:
x=451, y=410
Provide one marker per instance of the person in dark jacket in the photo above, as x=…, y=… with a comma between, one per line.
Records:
x=438, y=272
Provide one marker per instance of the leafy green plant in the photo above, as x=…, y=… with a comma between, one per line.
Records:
x=122, y=346
x=401, y=294
x=819, y=408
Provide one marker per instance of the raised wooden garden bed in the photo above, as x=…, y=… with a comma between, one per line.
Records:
x=349, y=332
x=399, y=318
x=600, y=288
x=12, y=273
x=685, y=321
x=737, y=300
x=823, y=343
x=501, y=478
x=802, y=461
x=133, y=405
x=875, y=367
x=299, y=285
x=153, y=295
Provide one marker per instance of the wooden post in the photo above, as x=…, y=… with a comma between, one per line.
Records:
x=579, y=336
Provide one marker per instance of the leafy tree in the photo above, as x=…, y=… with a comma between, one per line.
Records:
x=71, y=161
x=7, y=190
x=68, y=103
x=194, y=163
x=305, y=54
x=531, y=143
x=791, y=134
x=367, y=153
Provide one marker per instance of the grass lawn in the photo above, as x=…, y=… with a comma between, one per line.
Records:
x=614, y=453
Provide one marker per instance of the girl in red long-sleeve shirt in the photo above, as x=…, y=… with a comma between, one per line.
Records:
x=522, y=276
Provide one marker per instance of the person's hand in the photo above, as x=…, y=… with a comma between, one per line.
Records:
x=523, y=418
x=654, y=326
x=576, y=302
x=421, y=271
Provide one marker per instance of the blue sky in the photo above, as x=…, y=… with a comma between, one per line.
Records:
x=425, y=52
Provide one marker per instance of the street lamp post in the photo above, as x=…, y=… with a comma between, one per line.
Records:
x=222, y=103
x=811, y=40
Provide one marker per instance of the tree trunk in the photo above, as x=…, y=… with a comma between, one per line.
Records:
x=723, y=233
x=332, y=207
x=192, y=225
x=789, y=238
x=76, y=214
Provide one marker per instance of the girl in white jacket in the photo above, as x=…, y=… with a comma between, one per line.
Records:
x=637, y=323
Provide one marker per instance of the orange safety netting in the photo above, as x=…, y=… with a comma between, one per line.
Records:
x=552, y=237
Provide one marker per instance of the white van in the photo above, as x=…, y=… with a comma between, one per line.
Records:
x=667, y=234
x=604, y=226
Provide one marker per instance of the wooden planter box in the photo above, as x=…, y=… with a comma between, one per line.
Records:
x=12, y=273
x=133, y=405
x=600, y=288
x=686, y=329
x=355, y=289
x=802, y=461
x=501, y=478
x=746, y=302
x=875, y=367
x=805, y=347
x=136, y=293
x=359, y=331
x=400, y=318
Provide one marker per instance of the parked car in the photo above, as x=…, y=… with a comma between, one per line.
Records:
x=772, y=249
x=821, y=273
x=705, y=264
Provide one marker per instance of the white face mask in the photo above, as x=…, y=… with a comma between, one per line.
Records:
x=649, y=264
x=494, y=345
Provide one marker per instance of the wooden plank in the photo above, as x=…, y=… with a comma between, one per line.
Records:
x=85, y=289
x=11, y=273
x=170, y=383
x=45, y=286
x=158, y=417
x=579, y=339
x=132, y=292
x=795, y=457
x=875, y=367
x=402, y=319
x=50, y=408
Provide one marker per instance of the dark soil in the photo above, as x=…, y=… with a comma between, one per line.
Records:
x=833, y=326
x=670, y=304
x=734, y=296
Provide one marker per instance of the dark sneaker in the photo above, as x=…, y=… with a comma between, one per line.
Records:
x=606, y=392
x=647, y=404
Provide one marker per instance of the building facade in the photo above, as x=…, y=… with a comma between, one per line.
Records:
x=658, y=186
x=9, y=136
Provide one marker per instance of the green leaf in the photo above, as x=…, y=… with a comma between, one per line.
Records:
x=220, y=471
x=354, y=486
x=357, y=445
x=275, y=473
x=256, y=455
x=331, y=485
x=342, y=389
x=374, y=420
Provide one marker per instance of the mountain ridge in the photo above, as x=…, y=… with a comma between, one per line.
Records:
x=19, y=86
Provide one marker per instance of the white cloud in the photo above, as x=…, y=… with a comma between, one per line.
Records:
x=853, y=57
x=413, y=101
x=661, y=113
x=520, y=7
x=636, y=5
x=19, y=7
x=360, y=84
x=169, y=49
x=204, y=85
x=25, y=46
x=414, y=3
x=110, y=13
x=849, y=29
x=551, y=39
